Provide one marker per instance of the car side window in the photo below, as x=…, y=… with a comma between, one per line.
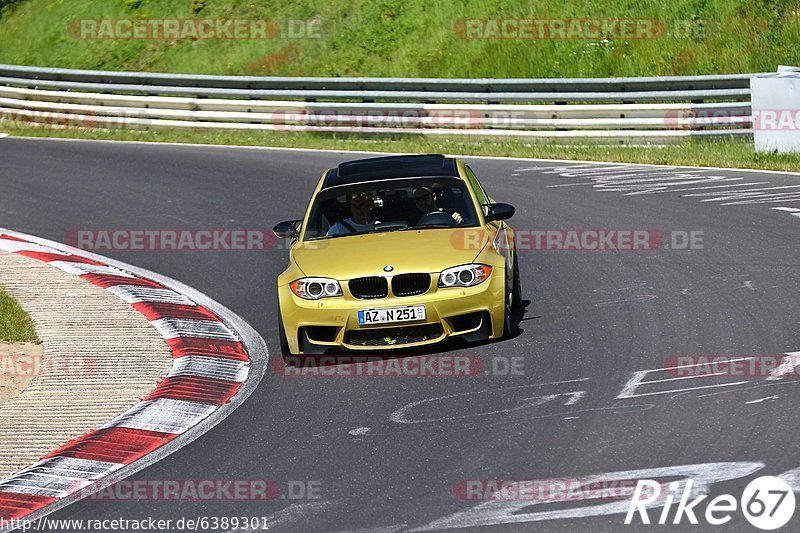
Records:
x=477, y=188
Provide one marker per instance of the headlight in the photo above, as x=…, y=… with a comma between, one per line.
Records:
x=464, y=275
x=315, y=288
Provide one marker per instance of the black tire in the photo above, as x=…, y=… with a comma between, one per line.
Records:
x=507, y=312
x=513, y=297
x=516, y=291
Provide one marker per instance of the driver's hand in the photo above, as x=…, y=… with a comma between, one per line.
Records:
x=458, y=218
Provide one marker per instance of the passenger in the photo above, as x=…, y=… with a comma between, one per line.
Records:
x=362, y=206
x=425, y=202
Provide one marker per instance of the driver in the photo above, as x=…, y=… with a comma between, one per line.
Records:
x=362, y=205
x=425, y=202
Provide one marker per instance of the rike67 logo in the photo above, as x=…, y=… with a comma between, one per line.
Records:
x=767, y=502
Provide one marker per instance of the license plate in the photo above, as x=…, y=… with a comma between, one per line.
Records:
x=391, y=314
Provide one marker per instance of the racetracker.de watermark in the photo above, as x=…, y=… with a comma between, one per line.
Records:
x=179, y=239
x=377, y=366
x=27, y=118
x=52, y=365
x=778, y=119
x=544, y=490
x=193, y=28
x=585, y=240
x=579, y=28
x=772, y=366
x=203, y=490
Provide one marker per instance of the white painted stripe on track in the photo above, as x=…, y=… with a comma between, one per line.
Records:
x=210, y=367
x=179, y=327
x=667, y=368
x=136, y=294
x=734, y=194
x=787, y=367
x=164, y=415
x=715, y=188
x=794, y=211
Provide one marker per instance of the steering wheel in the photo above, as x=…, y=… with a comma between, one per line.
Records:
x=437, y=218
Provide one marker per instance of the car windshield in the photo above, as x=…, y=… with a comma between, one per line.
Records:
x=390, y=205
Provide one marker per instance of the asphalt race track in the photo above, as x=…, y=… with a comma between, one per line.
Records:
x=385, y=453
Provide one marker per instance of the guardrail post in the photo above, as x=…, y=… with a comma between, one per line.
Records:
x=776, y=110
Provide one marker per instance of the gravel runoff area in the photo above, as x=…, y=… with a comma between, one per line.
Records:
x=97, y=359
x=19, y=363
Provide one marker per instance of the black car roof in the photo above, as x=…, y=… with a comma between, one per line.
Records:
x=395, y=166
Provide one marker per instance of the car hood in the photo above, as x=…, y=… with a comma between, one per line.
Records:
x=353, y=256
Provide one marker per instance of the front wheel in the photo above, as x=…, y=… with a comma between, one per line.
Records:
x=513, y=298
x=509, y=299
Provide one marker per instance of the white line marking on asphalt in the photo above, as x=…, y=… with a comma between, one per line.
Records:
x=794, y=211
x=637, y=380
x=787, y=367
x=637, y=181
x=626, y=300
x=400, y=416
x=623, y=395
x=697, y=364
x=749, y=387
x=506, y=507
x=747, y=193
x=792, y=477
x=763, y=399
x=575, y=397
x=745, y=184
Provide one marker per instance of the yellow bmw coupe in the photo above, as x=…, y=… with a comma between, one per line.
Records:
x=397, y=252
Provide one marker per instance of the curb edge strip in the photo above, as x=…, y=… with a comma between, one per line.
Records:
x=218, y=359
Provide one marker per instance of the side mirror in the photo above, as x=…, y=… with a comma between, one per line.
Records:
x=499, y=212
x=288, y=228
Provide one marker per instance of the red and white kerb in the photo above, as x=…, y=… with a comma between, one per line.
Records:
x=209, y=366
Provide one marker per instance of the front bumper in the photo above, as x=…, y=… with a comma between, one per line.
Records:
x=473, y=313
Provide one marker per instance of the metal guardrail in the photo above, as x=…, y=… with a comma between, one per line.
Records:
x=616, y=110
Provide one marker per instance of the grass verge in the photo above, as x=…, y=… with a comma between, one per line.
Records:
x=718, y=153
x=414, y=38
x=15, y=324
